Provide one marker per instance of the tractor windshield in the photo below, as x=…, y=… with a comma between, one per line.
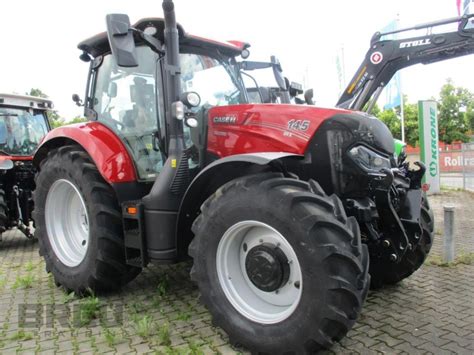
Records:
x=212, y=79
x=20, y=131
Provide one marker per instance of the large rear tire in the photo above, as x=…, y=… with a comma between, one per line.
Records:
x=386, y=272
x=79, y=224
x=279, y=265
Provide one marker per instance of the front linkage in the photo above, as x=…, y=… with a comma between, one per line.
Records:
x=390, y=215
x=16, y=203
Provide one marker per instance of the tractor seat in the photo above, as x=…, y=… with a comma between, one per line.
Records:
x=128, y=120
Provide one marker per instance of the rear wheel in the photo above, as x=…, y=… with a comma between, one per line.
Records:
x=278, y=264
x=386, y=272
x=78, y=224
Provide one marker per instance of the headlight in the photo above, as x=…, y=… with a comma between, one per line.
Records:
x=368, y=159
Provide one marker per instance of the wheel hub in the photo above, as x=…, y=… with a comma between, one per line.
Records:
x=259, y=272
x=267, y=267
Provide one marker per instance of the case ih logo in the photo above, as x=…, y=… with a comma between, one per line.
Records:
x=420, y=42
x=376, y=58
x=225, y=119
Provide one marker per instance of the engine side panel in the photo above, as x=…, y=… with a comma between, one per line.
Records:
x=329, y=147
x=101, y=143
x=240, y=129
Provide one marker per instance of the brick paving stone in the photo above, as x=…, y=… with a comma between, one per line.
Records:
x=430, y=312
x=456, y=348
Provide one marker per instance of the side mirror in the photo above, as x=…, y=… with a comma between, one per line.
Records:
x=308, y=97
x=112, y=90
x=121, y=40
x=77, y=100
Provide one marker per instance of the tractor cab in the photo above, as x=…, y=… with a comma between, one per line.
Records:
x=131, y=100
x=23, y=125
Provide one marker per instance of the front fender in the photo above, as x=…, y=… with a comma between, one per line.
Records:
x=214, y=176
x=104, y=147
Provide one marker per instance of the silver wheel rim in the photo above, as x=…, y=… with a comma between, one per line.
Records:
x=251, y=302
x=67, y=222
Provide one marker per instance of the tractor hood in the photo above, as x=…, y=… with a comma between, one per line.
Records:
x=254, y=128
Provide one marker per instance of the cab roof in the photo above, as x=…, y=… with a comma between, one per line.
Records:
x=25, y=101
x=99, y=44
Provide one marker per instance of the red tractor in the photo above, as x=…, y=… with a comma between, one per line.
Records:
x=278, y=205
x=23, y=124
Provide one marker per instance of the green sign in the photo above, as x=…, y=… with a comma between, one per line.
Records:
x=429, y=148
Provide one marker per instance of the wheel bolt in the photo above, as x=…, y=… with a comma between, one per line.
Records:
x=297, y=284
x=386, y=243
x=393, y=257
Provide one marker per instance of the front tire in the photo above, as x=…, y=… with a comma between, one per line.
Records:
x=279, y=265
x=78, y=224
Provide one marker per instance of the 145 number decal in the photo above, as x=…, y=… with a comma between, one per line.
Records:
x=298, y=125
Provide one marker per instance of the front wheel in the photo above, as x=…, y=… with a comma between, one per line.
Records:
x=78, y=224
x=279, y=265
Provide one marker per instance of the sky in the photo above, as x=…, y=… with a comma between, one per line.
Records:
x=39, y=40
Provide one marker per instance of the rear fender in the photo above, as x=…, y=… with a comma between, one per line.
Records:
x=214, y=176
x=103, y=146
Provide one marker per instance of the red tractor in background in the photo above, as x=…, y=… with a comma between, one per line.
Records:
x=23, y=124
x=283, y=208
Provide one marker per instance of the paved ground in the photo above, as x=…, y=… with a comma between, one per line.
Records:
x=431, y=312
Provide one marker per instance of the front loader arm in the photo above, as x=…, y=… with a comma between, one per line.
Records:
x=386, y=57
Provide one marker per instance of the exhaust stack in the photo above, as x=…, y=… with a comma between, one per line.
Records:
x=161, y=205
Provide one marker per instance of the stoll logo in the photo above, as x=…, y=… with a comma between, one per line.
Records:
x=434, y=140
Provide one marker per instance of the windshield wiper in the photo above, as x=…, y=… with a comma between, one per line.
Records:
x=8, y=114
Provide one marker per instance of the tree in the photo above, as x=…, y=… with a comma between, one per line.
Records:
x=37, y=93
x=392, y=118
x=392, y=121
x=54, y=119
x=470, y=117
x=77, y=119
x=412, y=131
x=455, y=109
